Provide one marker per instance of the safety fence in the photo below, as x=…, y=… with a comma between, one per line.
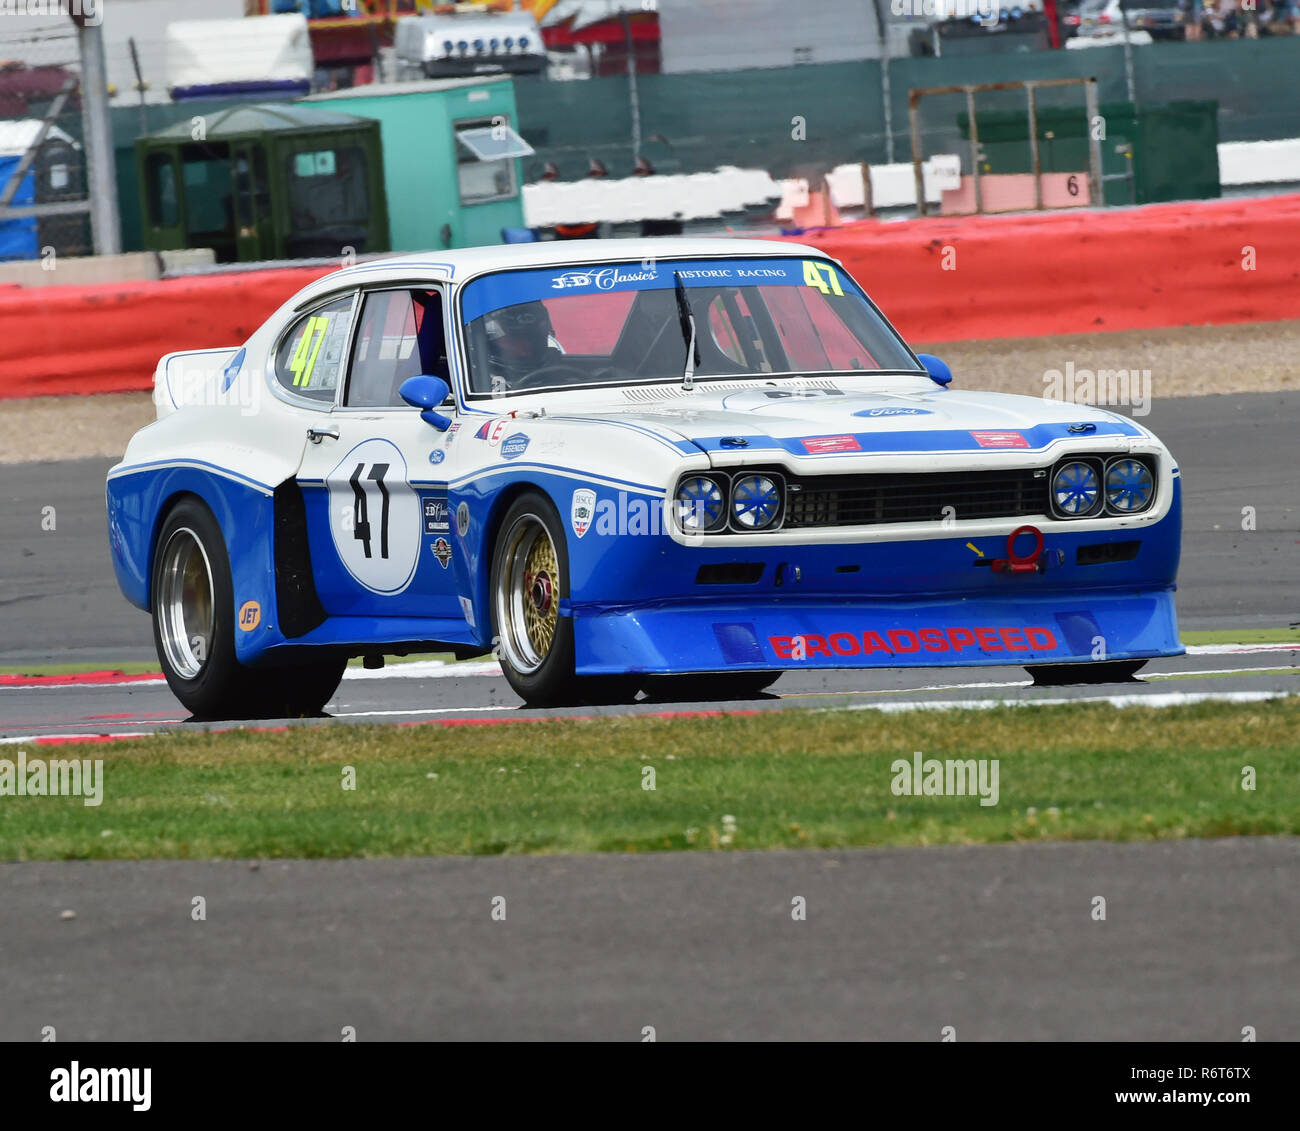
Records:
x=1208, y=262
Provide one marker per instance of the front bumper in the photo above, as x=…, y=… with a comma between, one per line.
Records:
x=901, y=604
x=1015, y=629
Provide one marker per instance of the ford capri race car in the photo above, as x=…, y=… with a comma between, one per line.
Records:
x=680, y=466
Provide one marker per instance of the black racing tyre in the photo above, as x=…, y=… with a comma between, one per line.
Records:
x=1104, y=671
x=707, y=687
x=194, y=631
x=530, y=577
x=297, y=692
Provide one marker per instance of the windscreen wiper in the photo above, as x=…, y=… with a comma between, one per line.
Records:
x=687, y=320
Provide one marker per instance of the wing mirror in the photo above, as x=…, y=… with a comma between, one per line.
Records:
x=939, y=372
x=427, y=392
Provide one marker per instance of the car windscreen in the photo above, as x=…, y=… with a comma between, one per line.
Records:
x=567, y=327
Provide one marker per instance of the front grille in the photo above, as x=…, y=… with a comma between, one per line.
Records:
x=866, y=500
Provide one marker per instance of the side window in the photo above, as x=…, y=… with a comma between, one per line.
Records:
x=310, y=357
x=327, y=187
x=400, y=335
x=486, y=149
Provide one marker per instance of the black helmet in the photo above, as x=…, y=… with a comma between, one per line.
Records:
x=518, y=337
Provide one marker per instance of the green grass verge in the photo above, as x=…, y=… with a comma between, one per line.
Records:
x=790, y=779
x=1243, y=636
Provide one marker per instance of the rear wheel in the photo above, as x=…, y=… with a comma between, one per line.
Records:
x=194, y=632
x=708, y=687
x=530, y=577
x=1106, y=671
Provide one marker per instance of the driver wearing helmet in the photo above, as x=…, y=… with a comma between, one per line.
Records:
x=519, y=342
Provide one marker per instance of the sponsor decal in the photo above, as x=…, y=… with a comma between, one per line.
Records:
x=437, y=455
x=1000, y=439
x=819, y=445
x=899, y=641
x=437, y=520
x=462, y=519
x=604, y=279
x=467, y=607
x=894, y=412
x=442, y=551
x=582, y=510
x=451, y=432
x=250, y=615
x=492, y=430
x=512, y=447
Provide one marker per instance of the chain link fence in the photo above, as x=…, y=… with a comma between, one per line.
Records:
x=44, y=203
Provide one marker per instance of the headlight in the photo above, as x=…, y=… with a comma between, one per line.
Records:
x=1130, y=486
x=755, y=502
x=701, y=504
x=1076, y=489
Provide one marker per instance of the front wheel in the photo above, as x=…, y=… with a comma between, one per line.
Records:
x=1105, y=671
x=194, y=632
x=530, y=577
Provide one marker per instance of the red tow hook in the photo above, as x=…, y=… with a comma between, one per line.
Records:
x=1033, y=562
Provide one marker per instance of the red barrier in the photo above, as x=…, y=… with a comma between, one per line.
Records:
x=107, y=338
x=1010, y=276
x=1070, y=273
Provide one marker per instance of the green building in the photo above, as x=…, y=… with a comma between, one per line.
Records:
x=451, y=157
x=264, y=181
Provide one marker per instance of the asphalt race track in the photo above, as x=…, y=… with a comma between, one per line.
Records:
x=59, y=602
x=996, y=941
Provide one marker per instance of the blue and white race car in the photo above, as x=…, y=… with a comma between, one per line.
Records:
x=679, y=465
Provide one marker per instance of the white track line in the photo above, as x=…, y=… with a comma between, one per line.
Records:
x=1167, y=699
x=418, y=711
x=81, y=686
x=1228, y=649
x=79, y=736
x=1161, y=699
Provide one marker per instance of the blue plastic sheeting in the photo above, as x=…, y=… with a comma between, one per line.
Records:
x=18, y=237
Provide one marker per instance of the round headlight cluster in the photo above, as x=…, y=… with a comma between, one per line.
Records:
x=743, y=502
x=1130, y=485
x=1090, y=486
x=755, y=502
x=701, y=505
x=1076, y=489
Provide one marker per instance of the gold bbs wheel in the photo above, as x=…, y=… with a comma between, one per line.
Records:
x=528, y=594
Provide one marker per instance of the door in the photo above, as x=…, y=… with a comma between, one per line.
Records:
x=254, y=235
x=164, y=221
x=375, y=482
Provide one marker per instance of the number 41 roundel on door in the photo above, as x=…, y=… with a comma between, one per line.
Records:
x=375, y=516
